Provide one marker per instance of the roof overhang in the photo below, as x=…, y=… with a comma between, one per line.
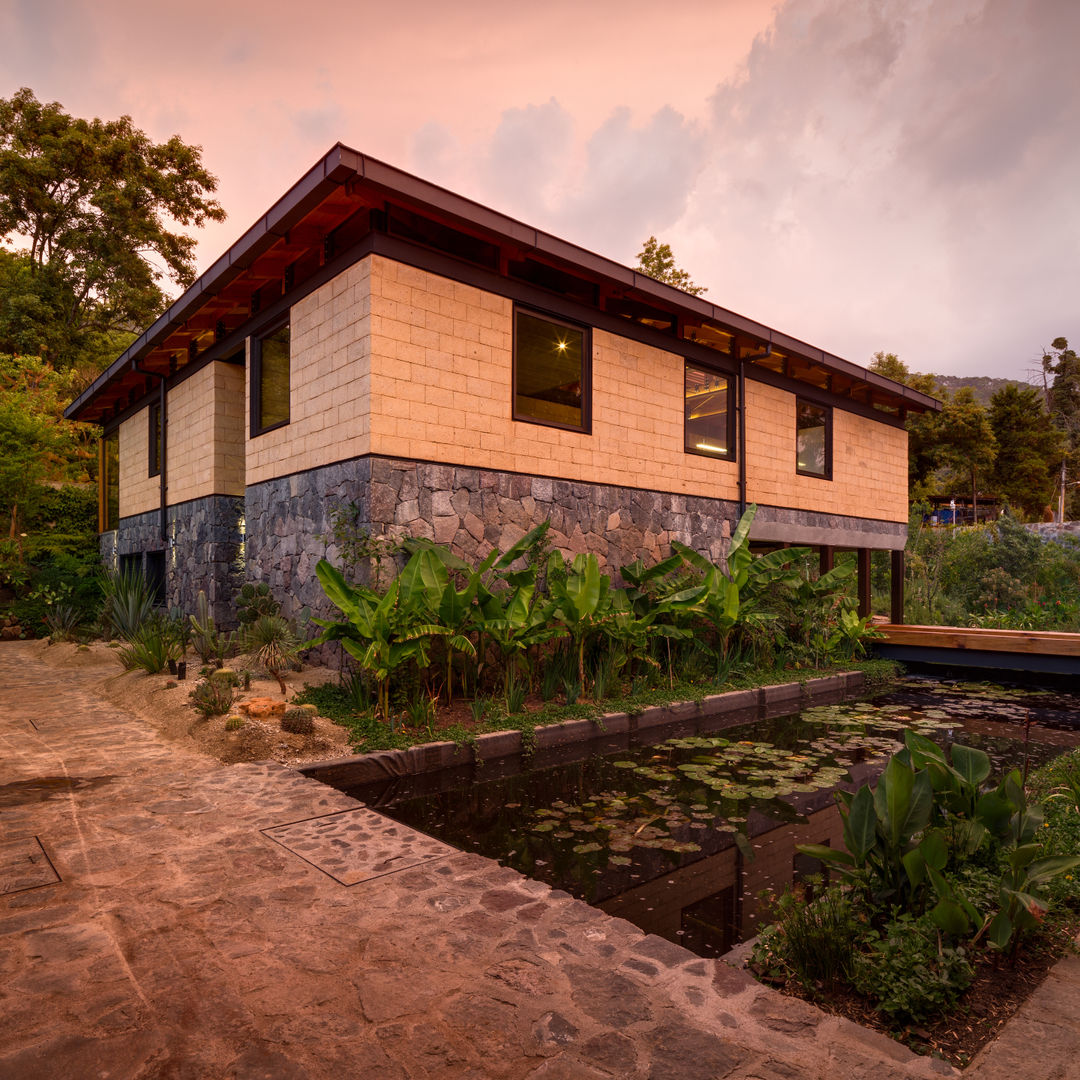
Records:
x=294, y=233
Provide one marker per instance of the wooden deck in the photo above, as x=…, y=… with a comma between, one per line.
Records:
x=961, y=646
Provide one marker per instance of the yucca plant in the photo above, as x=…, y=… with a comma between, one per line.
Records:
x=273, y=644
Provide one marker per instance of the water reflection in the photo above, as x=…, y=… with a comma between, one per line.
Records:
x=682, y=838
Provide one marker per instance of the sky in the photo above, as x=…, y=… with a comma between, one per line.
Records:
x=896, y=175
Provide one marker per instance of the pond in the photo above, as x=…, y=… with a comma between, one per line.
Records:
x=687, y=838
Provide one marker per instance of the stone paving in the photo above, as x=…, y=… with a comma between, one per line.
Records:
x=165, y=916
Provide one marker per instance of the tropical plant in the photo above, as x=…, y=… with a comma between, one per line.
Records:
x=582, y=602
x=382, y=633
x=64, y=622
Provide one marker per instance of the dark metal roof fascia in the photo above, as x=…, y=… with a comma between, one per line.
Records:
x=329, y=172
x=342, y=163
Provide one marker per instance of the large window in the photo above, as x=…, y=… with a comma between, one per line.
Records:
x=270, y=380
x=154, y=436
x=551, y=372
x=708, y=415
x=813, y=439
x=109, y=482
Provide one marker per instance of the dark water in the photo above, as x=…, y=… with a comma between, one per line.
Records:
x=682, y=838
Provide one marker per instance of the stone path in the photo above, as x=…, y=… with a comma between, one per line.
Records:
x=164, y=916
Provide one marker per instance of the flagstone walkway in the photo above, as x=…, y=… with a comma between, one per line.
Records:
x=164, y=916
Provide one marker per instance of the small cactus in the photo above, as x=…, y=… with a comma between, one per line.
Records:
x=234, y=723
x=297, y=722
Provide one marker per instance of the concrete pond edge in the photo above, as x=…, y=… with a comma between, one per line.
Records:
x=658, y=721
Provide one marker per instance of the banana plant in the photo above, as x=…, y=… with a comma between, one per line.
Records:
x=383, y=633
x=582, y=601
x=515, y=622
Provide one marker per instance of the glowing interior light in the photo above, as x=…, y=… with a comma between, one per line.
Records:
x=709, y=446
x=562, y=346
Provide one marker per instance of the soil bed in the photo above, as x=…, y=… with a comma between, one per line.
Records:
x=997, y=991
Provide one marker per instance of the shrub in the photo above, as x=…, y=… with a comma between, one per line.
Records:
x=908, y=972
x=212, y=697
x=129, y=602
x=63, y=622
x=298, y=721
x=815, y=940
x=150, y=648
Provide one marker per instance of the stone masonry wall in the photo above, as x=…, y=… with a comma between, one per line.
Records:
x=289, y=525
x=204, y=551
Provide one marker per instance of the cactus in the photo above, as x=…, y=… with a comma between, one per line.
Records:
x=297, y=722
x=234, y=723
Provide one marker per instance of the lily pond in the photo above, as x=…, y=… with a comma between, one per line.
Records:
x=686, y=838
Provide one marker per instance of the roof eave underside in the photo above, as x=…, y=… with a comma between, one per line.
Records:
x=343, y=165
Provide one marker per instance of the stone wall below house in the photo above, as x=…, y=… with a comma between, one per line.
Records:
x=203, y=551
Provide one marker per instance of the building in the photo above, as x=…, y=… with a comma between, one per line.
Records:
x=377, y=343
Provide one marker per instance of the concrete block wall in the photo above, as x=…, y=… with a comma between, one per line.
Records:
x=330, y=381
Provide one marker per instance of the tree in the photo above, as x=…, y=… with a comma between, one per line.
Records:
x=91, y=208
x=968, y=443
x=924, y=429
x=37, y=446
x=1029, y=449
x=1063, y=403
x=656, y=260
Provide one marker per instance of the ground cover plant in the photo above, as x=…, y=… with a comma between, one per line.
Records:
x=525, y=623
x=953, y=891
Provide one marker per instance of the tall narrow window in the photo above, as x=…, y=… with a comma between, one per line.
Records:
x=154, y=435
x=551, y=374
x=109, y=482
x=813, y=439
x=270, y=380
x=708, y=413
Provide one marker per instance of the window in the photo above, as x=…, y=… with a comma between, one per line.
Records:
x=270, y=380
x=109, y=482
x=551, y=376
x=813, y=439
x=708, y=413
x=155, y=439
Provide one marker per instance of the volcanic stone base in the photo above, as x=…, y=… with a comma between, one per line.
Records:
x=204, y=551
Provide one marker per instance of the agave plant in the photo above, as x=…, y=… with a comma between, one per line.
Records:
x=129, y=602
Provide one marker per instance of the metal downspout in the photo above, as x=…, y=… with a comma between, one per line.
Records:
x=741, y=450
x=163, y=399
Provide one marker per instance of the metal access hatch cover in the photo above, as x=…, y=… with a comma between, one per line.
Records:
x=358, y=845
x=24, y=865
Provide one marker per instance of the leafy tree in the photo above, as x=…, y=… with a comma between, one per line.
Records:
x=1029, y=449
x=924, y=430
x=92, y=209
x=37, y=446
x=656, y=260
x=1063, y=400
x=968, y=443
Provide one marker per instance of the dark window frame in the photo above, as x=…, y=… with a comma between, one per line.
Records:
x=828, y=413
x=256, y=427
x=154, y=433
x=732, y=452
x=586, y=371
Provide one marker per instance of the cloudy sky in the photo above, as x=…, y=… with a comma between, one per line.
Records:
x=864, y=174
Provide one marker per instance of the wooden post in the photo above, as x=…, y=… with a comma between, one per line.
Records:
x=896, y=581
x=864, y=582
x=827, y=559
